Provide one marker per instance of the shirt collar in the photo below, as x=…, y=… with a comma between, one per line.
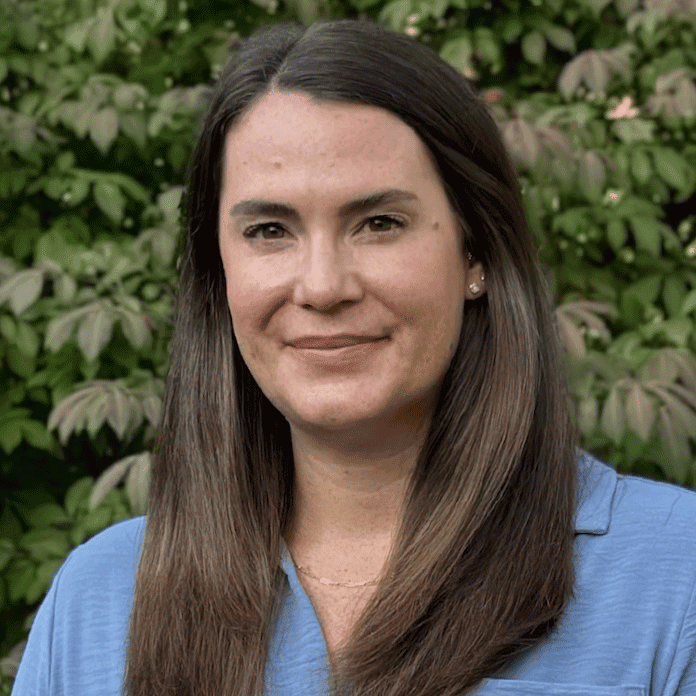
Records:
x=595, y=492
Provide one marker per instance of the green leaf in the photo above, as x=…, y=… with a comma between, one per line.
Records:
x=677, y=330
x=65, y=161
x=7, y=552
x=22, y=289
x=19, y=576
x=130, y=186
x=27, y=339
x=10, y=435
x=640, y=166
x=597, y=6
x=137, y=484
x=123, y=266
x=671, y=167
x=521, y=141
x=661, y=367
x=647, y=233
x=126, y=95
x=458, y=53
x=53, y=246
x=168, y=202
x=645, y=290
x=152, y=406
x=97, y=413
x=42, y=580
x=96, y=520
x=60, y=328
x=70, y=413
x=134, y=126
x=633, y=130
x=45, y=515
x=109, y=479
x=158, y=9
x=119, y=414
x=103, y=128
x=560, y=37
x=640, y=413
x=45, y=544
x=487, y=43
x=27, y=32
x=77, y=493
x=588, y=411
x=571, y=336
x=626, y=7
x=591, y=175
x=613, y=418
x=512, y=28
x=675, y=443
x=570, y=221
x=37, y=435
x=102, y=35
x=570, y=77
x=21, y=364
x=110, y=200
x=308, y=10
x=76, y=34
x=616, y=234
x=135, y=328
x=95, y=331
x=534, y=47
x=673, y=295
x=8, y=328
x=79, y=188
x=689, y=303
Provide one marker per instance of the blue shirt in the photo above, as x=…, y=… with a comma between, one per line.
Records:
x=629, y=631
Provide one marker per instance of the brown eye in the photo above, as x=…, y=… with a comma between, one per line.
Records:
x=252, y=232
x=385, y=220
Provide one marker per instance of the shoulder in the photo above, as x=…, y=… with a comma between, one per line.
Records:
x=627, y=512
x=109, y=556
x=658, y=505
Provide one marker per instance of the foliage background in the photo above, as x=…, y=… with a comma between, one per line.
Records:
x=99, y=102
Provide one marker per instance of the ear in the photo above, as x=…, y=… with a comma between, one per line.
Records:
x=475, y=282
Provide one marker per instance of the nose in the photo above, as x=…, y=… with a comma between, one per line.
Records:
x=326, y=275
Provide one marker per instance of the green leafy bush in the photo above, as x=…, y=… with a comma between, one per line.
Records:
x=99, y=101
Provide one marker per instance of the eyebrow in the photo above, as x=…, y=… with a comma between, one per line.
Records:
x=357, y=205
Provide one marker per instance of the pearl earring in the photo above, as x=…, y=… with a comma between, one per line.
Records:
x=474, y=287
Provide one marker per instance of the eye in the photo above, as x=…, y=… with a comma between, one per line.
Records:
x=388, y=219
x=252, y=232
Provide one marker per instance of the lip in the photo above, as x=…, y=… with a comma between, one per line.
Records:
x=351, y=357
x=338, y=341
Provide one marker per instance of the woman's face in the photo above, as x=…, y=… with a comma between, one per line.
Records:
x=317, y=271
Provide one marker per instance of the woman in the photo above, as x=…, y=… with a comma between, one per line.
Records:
x=366, y=477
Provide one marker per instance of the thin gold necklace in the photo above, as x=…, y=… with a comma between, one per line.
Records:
x=324, y=581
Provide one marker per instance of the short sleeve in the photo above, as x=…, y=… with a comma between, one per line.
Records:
x=77, y=643
x=34, y=674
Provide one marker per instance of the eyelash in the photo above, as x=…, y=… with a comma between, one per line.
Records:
x=252, y=232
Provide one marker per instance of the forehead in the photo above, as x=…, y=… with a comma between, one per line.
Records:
x=288, y=139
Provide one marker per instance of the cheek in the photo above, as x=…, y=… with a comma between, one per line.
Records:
x=444, y=307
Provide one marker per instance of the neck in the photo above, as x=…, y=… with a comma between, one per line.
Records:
x=350, y=498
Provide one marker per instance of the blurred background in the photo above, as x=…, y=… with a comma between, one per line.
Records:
x=99, y=103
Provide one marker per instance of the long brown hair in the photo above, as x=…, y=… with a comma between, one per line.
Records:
x=482, y=562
